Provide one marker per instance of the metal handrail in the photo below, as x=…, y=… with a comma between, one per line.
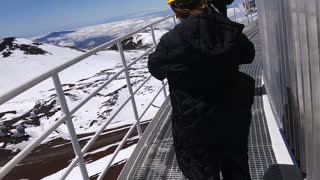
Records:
x=15, y=92
x=66, y=117
x=235, y=15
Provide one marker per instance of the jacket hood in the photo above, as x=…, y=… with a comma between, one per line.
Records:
x=212, y=34
x=203, y=51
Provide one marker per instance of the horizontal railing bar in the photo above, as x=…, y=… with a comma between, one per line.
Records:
x=41, y=79
x=27, y=150
x=116, y=152
x=96, y=135
x=20, y=89
x=240, y=13
x=236, y=5
x=152, y=101
x=146, y=139
x=95, y=92
x=53, y=72
x=143, y=28
x=13, y=93
x=94, y=138
x=248, y=1
x=84, y=102
x=143, y=83
x=141, y=56
x=9, y=95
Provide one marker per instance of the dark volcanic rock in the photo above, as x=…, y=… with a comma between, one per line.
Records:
x=7, y=46
x=128, y=44
x=7, y=42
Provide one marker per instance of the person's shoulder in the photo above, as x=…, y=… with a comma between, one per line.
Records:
x=186, y=25
x=219, y=19
x=180, y=26
x=167, y=36
x=194, y=21
x=173, y=33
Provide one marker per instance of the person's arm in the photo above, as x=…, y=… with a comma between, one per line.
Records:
x=247, y=51
x=158, y=61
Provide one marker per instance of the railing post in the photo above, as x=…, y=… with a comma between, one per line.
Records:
x=74, y=139
x=174, y=20
x=53, y=73
x=153, y=36
x=126, y=71
x=246, y=10
x=155, y=43
x=251, y=14
x=234, y=14
x=164, y=89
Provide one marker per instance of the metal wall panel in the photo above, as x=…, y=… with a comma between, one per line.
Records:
x=290, y=31
x=313, y=125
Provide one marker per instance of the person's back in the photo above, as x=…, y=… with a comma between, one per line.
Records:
x=200, y=58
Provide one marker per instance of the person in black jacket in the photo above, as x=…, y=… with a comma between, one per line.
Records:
x=211, y=100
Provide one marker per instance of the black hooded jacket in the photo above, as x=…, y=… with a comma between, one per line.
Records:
x=200, y=58
x=203, y=53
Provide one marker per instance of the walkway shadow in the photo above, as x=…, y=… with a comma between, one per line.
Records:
x=283, y=172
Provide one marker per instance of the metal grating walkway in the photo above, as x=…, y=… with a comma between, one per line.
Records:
x=155, y=158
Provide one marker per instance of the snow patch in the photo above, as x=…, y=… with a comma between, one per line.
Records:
x=94, y=167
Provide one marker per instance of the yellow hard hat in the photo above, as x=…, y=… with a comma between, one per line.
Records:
x=170, y=1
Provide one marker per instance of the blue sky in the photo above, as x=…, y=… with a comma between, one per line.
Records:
x=27, y=18
x=24, y=18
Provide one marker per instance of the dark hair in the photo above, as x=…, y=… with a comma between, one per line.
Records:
x=187, y=4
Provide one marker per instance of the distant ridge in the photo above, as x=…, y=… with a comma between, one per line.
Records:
x=93, y=36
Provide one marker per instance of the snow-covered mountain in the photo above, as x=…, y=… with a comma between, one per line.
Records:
x=88, y=37
x=92, y=36
x=36, y=109
x=22, y=60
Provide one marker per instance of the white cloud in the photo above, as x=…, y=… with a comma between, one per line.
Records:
x=112, y=30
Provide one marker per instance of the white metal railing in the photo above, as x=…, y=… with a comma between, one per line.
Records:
x=66, y=117
x=245, y=9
